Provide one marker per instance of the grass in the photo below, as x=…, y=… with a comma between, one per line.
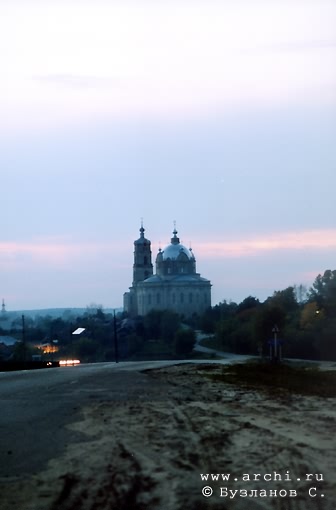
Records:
x=160, y=349
x=212, y=342
x=202, y=355
x=279, y=379
x=164, y=355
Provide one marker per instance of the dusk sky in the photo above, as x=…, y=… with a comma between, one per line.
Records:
x=219, y=115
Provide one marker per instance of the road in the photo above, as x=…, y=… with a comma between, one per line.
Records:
x=227, y=356
x=116, y=436
x=37, y=405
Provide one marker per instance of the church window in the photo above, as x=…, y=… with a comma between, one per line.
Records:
x=190, y=297
x=182, y=297
x=158, y=298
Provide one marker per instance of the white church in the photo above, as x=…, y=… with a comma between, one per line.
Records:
x=175, y=286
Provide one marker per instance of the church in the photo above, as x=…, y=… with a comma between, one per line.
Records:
x=175, y=286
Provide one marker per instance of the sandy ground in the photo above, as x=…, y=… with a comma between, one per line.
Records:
x=148, y=453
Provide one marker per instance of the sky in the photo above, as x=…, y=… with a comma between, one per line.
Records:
x=219, y=115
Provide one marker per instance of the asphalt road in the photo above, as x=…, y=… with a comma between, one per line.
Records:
x=36, y=406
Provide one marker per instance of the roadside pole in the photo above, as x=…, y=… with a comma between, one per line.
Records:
x=23, y=340
x=276, y=347
x=116, y=353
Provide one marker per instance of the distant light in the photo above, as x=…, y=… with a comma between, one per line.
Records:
x=78, y=331
x=69, y=362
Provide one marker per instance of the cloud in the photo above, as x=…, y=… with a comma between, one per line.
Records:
x=51, y=252
x=260, y=245
x=78, y=81
x=65, y=253
x=291, y=46
x=155, y=60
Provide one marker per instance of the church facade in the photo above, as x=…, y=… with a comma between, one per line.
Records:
x=175, y=285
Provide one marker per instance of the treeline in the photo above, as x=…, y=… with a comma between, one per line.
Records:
x=159, y=334
x=46, y=333
x=306, y=321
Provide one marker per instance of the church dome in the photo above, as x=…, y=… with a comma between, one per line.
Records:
x=142, y=240
x=175, y=259
x=176, y=251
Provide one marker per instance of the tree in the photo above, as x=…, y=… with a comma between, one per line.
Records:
x=152, y=324
x=85, y=348
x=301, y=293
x=323, y=292
x=184, y=341
x=285, y=299
x=161, y=325
x=311, y=316
x=248, y=303
x=268, y=317
x=93, y=309
x=170, y=323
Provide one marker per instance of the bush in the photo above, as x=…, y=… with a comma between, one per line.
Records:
x=184, y=341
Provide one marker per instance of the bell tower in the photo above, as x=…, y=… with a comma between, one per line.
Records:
x=142, y=267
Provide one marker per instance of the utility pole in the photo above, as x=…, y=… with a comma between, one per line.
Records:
x=276, y=347
x=115, y=338
x=23, y=339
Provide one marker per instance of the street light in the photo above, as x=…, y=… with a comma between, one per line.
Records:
x=77, y=331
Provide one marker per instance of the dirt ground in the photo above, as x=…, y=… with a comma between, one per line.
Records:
x=149, y=453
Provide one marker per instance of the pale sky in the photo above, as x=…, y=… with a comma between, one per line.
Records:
x=220, y=115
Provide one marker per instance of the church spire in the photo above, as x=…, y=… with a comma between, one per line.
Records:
x=142, y=267
x=142, y=230
x=175, y=239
